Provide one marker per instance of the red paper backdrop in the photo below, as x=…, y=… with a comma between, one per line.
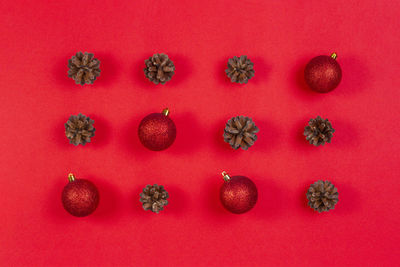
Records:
x=37, y=97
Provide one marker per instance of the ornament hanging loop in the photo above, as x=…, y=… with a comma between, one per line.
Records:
x=226, y=176
x=71, y=177
x=165, y=111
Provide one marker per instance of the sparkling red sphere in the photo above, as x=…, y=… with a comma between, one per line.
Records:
x=323, y=73
x=238, y=194
x=80, y=197
x=157, y=131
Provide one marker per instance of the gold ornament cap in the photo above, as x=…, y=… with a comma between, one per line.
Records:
x=165, y=111
x=226, y=176
x=71, y=177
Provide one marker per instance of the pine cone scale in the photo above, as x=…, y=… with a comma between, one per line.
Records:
x=168, y=69
x=232, y=131
x=249, y=140
x=147, y=206
x=238, y=141
x=75, y=61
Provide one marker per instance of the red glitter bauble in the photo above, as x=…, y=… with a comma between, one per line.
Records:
x=157, y=131
x=238, y=194
x=80, y=197
x=323, y=73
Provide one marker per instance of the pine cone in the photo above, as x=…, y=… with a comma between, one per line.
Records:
x=154, y=198
x=240, y=70
x=322, y=196
x=240, y=132
x=79, y=129
x=159, y=68
x=319, y=131
x=83, y=68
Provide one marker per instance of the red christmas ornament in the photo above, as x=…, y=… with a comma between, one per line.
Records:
x=157, y=131
x=80, y=197
x=238, y=194
x=323, y=73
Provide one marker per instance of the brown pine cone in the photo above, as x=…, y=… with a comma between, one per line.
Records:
x=79, y=129
x=322, y=196
x=319, y=131
x=83, y=68
x=154, y=198
x=241, y=132
x=240, y=70
x=159, y=68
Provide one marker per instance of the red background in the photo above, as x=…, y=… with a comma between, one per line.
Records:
x=37, y=97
